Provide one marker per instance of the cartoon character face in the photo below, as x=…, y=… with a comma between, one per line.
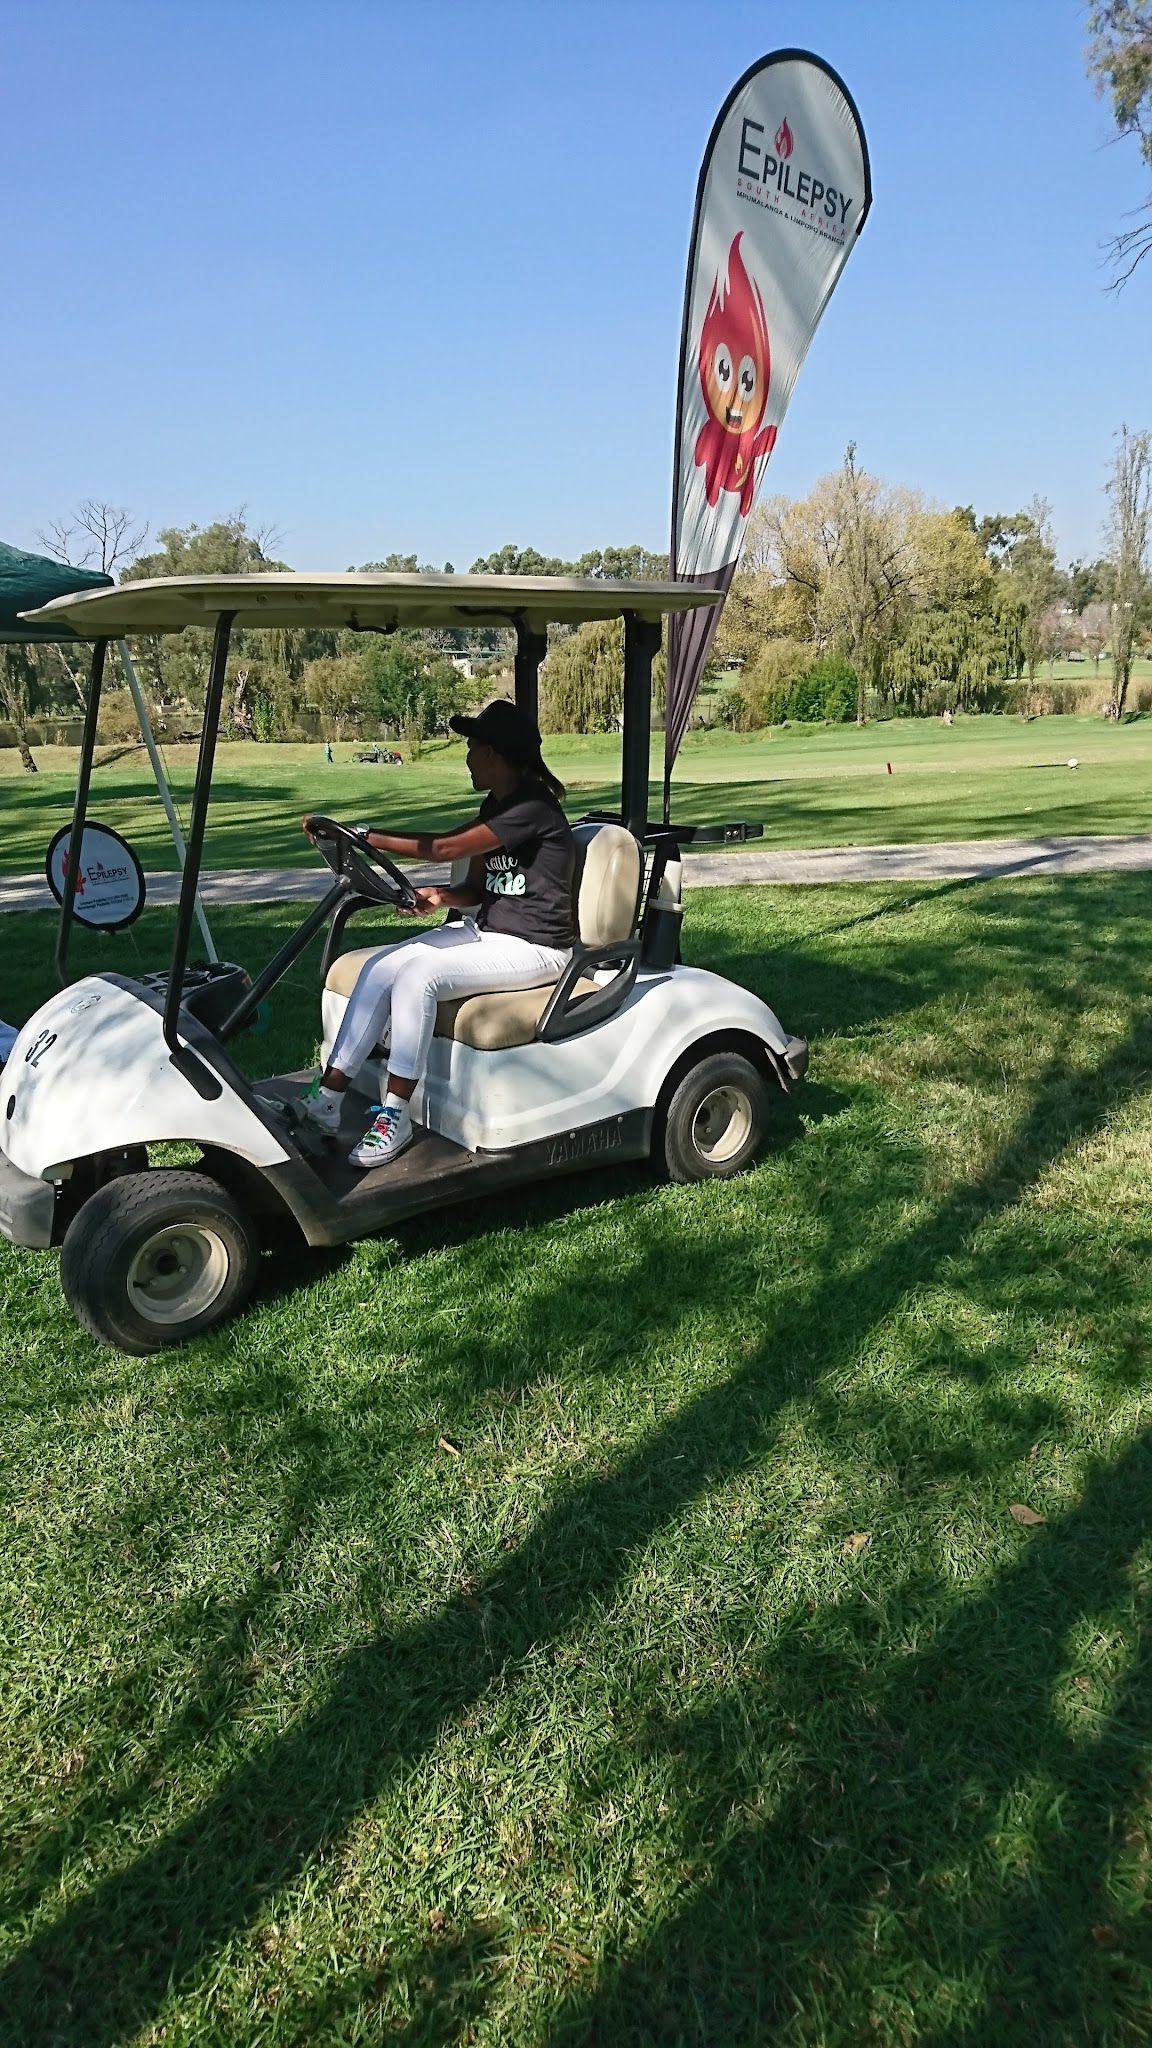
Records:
x=735, y=358
x=734, y=391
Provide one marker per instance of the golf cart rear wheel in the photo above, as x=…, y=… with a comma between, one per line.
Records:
x=715, y=1121
x=156, y=1258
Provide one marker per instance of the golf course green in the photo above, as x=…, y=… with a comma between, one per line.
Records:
x=983, y=777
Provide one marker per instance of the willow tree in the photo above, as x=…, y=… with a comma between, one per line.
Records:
x=582, y=681
x=967, y=650
x=961, y=629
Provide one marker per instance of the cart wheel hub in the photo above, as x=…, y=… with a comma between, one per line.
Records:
x=722, y=1124
x=178, y=1273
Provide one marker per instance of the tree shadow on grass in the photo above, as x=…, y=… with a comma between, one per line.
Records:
x=909, y=897
x=405, y=1997
x=391, y=1697
x=855, y=1882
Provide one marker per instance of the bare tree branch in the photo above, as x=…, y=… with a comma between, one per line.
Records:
x=57, y=541
x=1129, y=249
x=1119, y=61
x=97, y=535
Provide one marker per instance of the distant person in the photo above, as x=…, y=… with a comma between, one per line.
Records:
x=517, y=931
x=328, y=752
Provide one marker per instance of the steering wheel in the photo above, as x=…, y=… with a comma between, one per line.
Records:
x=347, y=852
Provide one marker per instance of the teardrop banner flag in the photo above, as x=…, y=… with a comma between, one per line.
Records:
x=784, y=191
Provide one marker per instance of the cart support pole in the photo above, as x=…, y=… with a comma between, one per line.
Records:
x=83, y=782
x=641, y=645
x=531, y=647
x=196, y=829
x=165, y=794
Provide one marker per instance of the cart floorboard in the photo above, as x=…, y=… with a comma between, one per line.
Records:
x=435, y=1170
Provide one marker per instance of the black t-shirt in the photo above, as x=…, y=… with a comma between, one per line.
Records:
x=529, y=879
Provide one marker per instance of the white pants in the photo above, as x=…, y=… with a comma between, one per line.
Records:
x=402, y=985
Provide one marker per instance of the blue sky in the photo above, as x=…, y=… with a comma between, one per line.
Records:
x=411, y=276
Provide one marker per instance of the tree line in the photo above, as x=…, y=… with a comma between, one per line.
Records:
x=856, y=598
x=861, y=596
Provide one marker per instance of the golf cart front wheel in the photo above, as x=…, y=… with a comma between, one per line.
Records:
x=156, y=1258
x=715, y=1121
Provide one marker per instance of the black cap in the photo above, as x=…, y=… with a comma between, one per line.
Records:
x=509, y=732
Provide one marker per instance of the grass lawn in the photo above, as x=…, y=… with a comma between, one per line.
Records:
x=601, y=1618
x=981, y=778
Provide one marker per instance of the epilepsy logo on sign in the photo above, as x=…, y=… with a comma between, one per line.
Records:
x=109, y=878
x=771, y=180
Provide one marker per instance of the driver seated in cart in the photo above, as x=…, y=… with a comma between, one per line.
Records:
x=516, y=929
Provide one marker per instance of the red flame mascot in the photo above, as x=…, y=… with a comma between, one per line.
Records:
x=735, y=369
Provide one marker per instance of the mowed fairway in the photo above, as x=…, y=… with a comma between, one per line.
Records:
x=993, y=777
x=603, y=1617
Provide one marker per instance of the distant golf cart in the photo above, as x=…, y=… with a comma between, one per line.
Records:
x=629, y=1055
x=379, y=757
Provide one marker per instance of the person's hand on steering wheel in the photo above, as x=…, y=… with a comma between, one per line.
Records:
x=427, y=900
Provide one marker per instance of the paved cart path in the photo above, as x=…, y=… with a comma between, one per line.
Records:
x=960, y=860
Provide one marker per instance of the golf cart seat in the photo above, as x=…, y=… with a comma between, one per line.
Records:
x=609, y=890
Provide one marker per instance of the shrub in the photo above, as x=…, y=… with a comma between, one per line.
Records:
x=265, y=723
x=828, y=690
x=118, y=722
x=730, y=709
x=763, y=694
x=784, y=682
x=1040, y=699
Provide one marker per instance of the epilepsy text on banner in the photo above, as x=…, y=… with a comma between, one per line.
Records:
x=784, y=191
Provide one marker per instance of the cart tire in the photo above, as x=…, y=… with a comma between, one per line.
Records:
x=155, y=1258
x=715, y=1121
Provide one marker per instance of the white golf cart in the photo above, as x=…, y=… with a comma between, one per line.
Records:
x=629, y=1055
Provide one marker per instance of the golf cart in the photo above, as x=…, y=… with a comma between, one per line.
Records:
x=629, y=1055
x=378, y=757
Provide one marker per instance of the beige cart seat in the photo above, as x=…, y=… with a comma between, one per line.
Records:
x=609, y=890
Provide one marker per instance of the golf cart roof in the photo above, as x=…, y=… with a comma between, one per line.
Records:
x=166, y=604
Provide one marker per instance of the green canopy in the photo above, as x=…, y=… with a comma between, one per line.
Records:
x=28, y=581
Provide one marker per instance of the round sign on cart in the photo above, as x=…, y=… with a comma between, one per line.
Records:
x=110, y=887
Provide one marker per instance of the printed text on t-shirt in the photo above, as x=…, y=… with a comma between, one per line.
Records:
x=504, y=876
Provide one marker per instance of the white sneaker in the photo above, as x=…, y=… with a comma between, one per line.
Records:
x=321, y=1108
x=384, y=1140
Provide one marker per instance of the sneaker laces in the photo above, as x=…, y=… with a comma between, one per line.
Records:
x=383, y=1130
